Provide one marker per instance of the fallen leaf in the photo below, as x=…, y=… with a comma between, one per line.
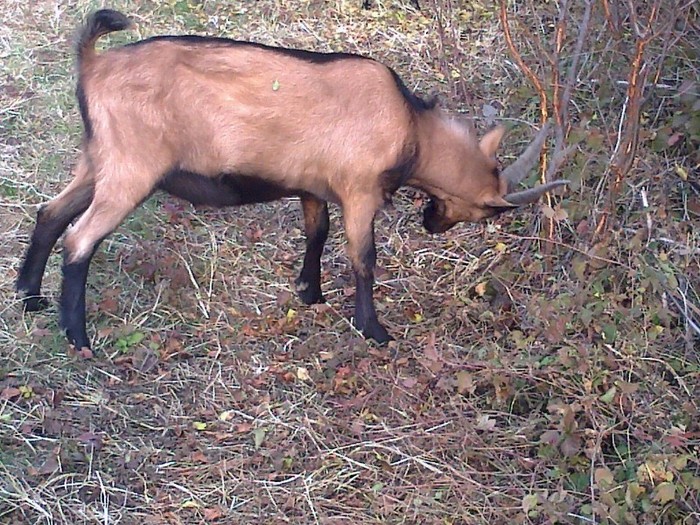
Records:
x=603, y=476
x=627, y=388
x=50, y=465
x=550, y=437
x=609, y=395
x=571, y=445
x=465, y=382
x=582, y=227
x=357, y=426
x=242, y=428
x=664, y=492
x=259, y=436
x=199, y=457
x=430, y=351
x=484, y=422
x=26, y=391
x=303, y=374
x=529, y=502
x=226, y=415
x=95, y=440
x=10, y=392
x=212, y=513
x=560, y=214
x=409, y=382
x=283, y=297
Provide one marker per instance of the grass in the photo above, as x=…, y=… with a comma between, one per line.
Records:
x=532, y=380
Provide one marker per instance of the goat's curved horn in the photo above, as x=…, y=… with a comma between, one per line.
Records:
x=527, y=196
x=517, y=171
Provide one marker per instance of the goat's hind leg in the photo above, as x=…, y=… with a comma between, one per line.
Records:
x=308, y=284
x=52, y=220
x=114, y=199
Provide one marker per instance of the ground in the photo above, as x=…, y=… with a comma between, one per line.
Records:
x=536, y=377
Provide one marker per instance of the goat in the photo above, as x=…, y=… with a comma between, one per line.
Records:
x=221, y=122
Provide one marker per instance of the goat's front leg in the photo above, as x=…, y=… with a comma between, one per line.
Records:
x=316, y=223
x=359, y=229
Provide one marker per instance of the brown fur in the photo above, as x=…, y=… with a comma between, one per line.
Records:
x=225, y=123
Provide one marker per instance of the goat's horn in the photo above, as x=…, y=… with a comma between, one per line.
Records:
x=516, y=172
x=527, y=196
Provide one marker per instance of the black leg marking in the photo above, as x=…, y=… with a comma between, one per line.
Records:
x=316, y=224
x=365, y=314
x=73, y=300
x=45, y=235
x=49, y=227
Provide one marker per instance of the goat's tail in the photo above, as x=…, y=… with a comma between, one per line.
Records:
x=98, y=24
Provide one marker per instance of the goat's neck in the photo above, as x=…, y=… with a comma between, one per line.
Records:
x=431, y=173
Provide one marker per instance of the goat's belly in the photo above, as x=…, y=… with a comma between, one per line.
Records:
x=223, y=190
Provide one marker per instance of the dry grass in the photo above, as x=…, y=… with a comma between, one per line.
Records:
x=528, y=385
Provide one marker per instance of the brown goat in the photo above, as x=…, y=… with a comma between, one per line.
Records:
x=219, y=122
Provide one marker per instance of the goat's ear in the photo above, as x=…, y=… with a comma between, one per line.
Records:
x=490, y=142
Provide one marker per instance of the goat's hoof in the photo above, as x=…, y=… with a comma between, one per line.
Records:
x=79, y=341
x=309, y=295
x=377, y=332
x=35, y=303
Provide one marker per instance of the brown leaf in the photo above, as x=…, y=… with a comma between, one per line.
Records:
x=556, y=329
x=664, y=492
x=598, y=251
x=465, y=382
x=409, y=382
x=283, y=297
x=583, y=227
x=40, y=333
x=212, y=513
x=199, y=457
x=242, y=428
x=144, y=359
x=89, y=438
x=430, y=352
x=550, y=437
x=358, y=426
x=10, y=393
x=484, y=422
x=570, y=445
x=603, y=476
x=51, y=464
x=560, y=214
x=109, y=305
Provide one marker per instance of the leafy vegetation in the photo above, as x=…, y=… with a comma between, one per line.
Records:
x=546, y=368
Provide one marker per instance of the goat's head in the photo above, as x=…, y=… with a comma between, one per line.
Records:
x=471, y=187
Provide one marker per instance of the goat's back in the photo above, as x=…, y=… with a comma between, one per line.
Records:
x=210, y=106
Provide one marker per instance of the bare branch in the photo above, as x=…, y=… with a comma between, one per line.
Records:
x=572, y=75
